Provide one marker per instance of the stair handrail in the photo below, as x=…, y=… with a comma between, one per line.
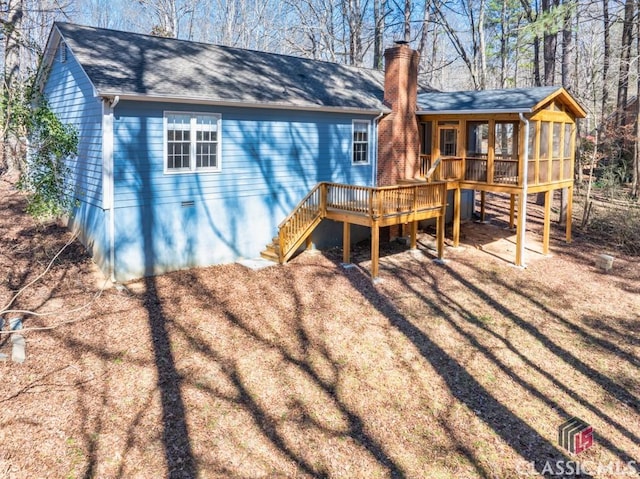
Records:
x=300, y=203
x=284, y=250
x=433, y=167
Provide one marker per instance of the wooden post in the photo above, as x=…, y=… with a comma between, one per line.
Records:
x=346, y=242
x=457, y=193
x=375, y=248
x=563, y=205
x=323, y=199
x=308, y=242
x=512, y=209
x=483, y=198
x=569, y=212
x=414, y=235
x=491, y=151
x=547, y=221
x=520, y=229
x=440, y=236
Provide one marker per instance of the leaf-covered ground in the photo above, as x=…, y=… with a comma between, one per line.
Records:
x=460, y=370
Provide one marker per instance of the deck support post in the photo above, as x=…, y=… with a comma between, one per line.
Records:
x=457, y=194
x=512, y=208
x=520, y=233
x=483, y=199
x=375, y=248
x=440, y=236
x=346, y=242
x=308, y=242
x=569, y=212
x=413, y=234
x=547, y=221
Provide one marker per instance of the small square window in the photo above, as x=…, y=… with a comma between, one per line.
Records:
x=360, y=142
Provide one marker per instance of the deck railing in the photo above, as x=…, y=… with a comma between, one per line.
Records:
x=505, y=170
x=475, y=169
x=372, y=202
x=300, y=222
x=446, y=169
x=384, y=201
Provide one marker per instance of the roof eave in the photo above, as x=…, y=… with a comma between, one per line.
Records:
x=263, y=105
x=500, y=111
x=567, y=98
x=47, y=57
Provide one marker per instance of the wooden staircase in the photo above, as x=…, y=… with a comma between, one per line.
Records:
x=296, y=228
x=374, y=207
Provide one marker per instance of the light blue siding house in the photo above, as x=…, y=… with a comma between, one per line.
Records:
x=191, y=154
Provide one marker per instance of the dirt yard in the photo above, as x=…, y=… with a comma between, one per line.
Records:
x=462, y=370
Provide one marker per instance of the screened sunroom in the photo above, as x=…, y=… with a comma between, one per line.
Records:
x=516, y=141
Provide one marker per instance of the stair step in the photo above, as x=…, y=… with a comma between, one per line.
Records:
x=270, y=255
x=275, y=248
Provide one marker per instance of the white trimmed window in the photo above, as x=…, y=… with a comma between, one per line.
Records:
x=192, y=142
x=360, y=142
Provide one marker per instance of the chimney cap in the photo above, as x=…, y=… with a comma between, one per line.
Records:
x=401, y=42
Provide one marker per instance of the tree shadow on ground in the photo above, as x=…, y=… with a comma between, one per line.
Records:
x=525, y=440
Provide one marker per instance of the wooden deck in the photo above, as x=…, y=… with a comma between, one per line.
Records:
x=361, y=205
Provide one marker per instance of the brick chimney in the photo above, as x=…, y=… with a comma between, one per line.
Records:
x=398, y=136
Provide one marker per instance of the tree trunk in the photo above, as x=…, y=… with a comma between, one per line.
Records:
x=482, y=73
x=635, y=180
x=424, y=34
x=503, y=45
x=625, y=56
x=407, y=20
x=13, y=41
x=606, y=37
x=13, y=70
x=549, y=49
x=567, y=51
x=378, y=18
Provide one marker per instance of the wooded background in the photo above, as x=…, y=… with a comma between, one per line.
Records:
x=589, y=47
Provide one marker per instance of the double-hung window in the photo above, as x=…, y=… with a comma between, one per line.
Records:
x=192, y=142
x=360, y=142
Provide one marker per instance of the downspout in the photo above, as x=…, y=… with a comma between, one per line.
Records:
x=110, y=191
x=374, y=174
x=525, y=176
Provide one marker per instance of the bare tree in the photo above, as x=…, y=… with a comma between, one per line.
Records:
x=379, y=15
x=471, y=53
x=532, y=16
x=567, y=48
x=625, y=57
x=550, y=43
x=168, y=15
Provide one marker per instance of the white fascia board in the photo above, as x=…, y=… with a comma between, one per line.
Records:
x=55, y=37
x=241, y=104
x=475, y=112
x=47, y=57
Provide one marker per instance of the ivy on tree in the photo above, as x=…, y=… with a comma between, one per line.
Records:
x=45, y=173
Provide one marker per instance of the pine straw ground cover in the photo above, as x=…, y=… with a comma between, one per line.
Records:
x=309, y=370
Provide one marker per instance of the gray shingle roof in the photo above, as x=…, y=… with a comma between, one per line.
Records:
x=511, y=100
x=122, y=63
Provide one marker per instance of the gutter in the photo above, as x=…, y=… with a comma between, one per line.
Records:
x=525, y=176
x=374, y=170
x=519, y=111
x=240, y=103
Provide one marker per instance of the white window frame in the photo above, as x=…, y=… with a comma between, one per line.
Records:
x=353, y=141
x=193, y=147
